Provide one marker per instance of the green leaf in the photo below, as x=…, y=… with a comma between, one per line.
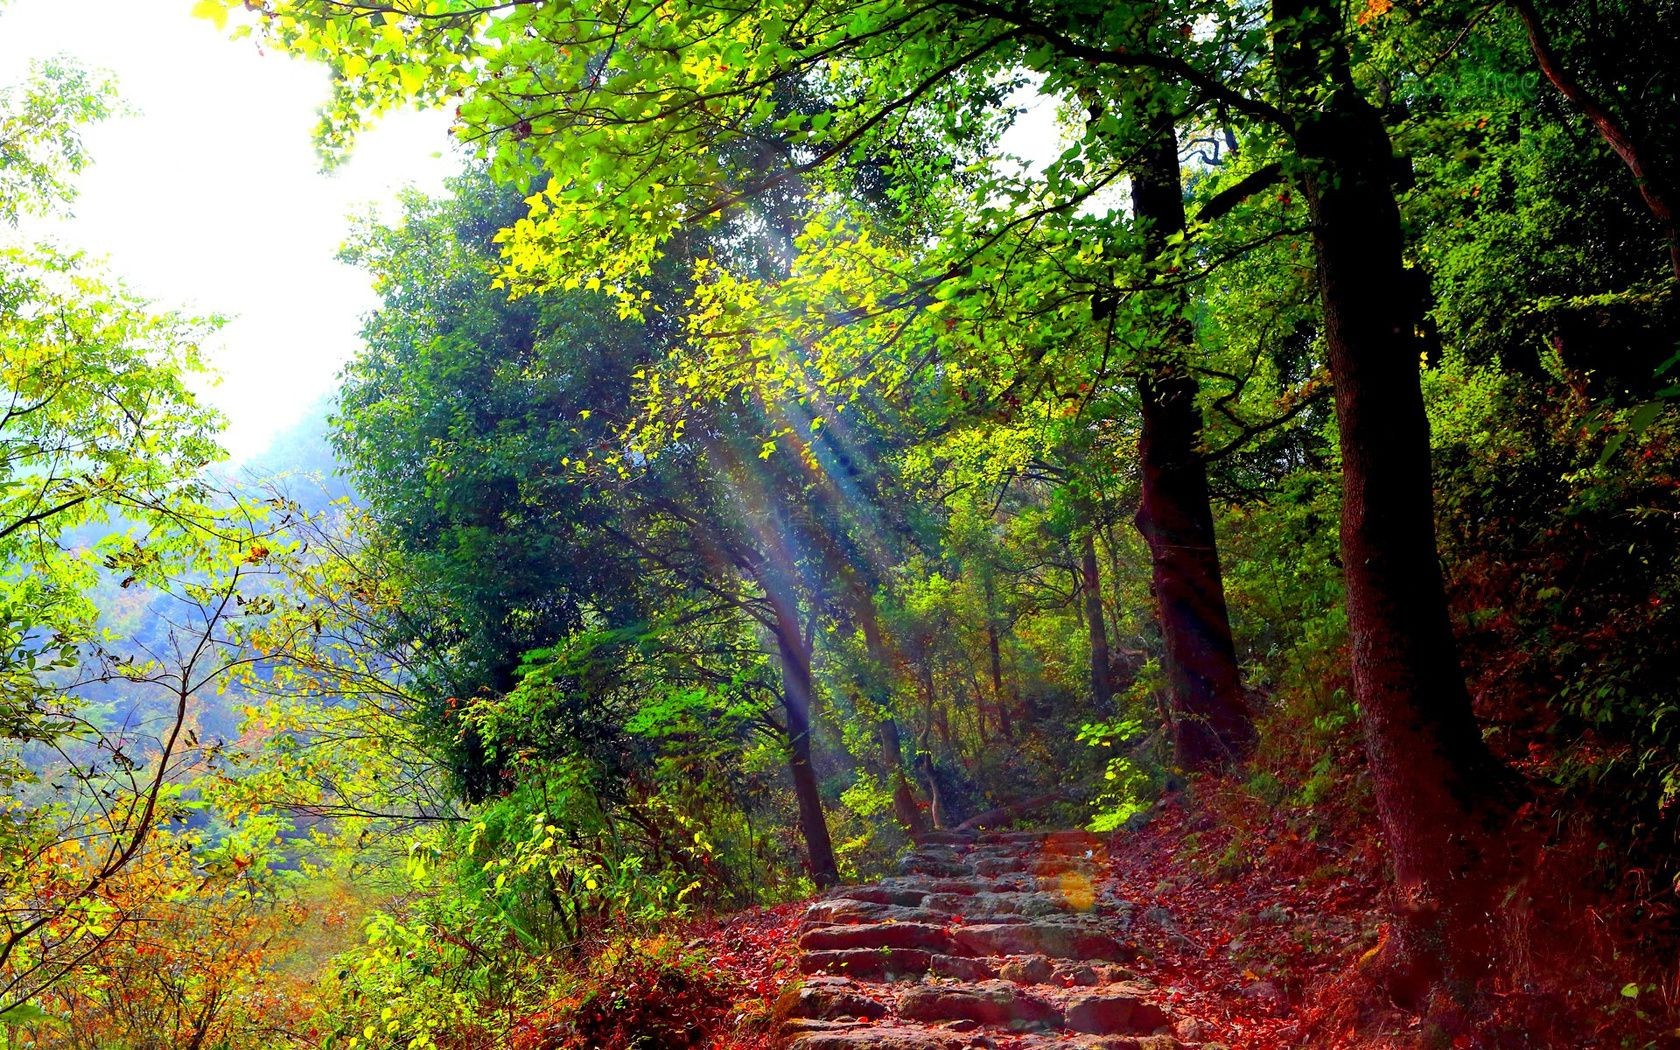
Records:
x=25, y=1013
x=1630, y=991
x=1644, y=416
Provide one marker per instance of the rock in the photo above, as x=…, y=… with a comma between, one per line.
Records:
x=868, y=964
x=1009, y=940
x=1119, y=1009
x=1027, y=969
x=987, y=906
x=878, y=1037
x=924, y=864
x=1040, y=905
x=833, y=999
x=1191, y=1029
x=1056, y=940
x=988, y=1002
x=848, y=910
x=902, y=896
x=990, y=866
x=965, y=887
x=963, y=968
x=878, y=935
x=1082, y=975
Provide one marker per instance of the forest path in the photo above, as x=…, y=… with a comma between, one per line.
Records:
x=1007, y=940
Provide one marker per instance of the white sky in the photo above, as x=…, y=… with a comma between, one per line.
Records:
x=210, y=197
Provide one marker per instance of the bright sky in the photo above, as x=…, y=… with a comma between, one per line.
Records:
x=210, y=197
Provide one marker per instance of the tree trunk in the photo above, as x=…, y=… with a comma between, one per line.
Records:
x=905, y=807
x=1211, y=724
x=796, y=700
x=1652, y=184
x=994, y=653
x=1102, y=681
x=1439, y=791
x=862, y=604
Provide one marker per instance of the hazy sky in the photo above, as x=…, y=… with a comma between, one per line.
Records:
x=210, y=196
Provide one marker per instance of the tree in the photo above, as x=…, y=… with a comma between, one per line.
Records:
x=1440, y=791
x=483, y=433
x=619, y=109
x=104, y=517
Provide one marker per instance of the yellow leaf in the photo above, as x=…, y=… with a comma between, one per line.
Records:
x=215, y=10
x=412, y=79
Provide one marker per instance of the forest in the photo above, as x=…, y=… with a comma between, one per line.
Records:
x=789, y=565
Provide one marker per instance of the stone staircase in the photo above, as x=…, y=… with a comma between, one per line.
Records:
x=1006, y=940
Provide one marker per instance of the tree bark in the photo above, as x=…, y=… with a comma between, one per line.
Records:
x=1439, y=791
x=1102, y=680
x=796, y=701
x=994, y=652
x=905, y=807
x=1211, y=724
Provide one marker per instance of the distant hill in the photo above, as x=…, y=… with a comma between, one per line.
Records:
x=300, y=461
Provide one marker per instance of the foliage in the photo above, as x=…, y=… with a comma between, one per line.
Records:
x=744, y=454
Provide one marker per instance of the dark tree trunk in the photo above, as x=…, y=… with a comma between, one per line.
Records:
x=796, y=700
x=1439, y=791
x=1000, y=699
x=1102, y=680
x=1211, y=724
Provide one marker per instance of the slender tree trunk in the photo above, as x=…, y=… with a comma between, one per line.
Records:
x=861, y=603
x=1439, y=791
x=994, y=651
x=796, y=700
x=1102, y=680
x=1652, y=185
x=905, y=807
x=1211, y=724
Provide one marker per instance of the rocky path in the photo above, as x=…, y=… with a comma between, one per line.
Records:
x=1011, y=940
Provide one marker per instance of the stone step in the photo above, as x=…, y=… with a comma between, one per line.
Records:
x=901, y=894
x=841, y=911
x=869, y=964
x=986, y=941
x=943, y=867
x=899, y=964
x=1119, y=1009
x=888, y=935
x=833, y=999
x=989, y=907
x=1055, y=940
x=875, y=1037
x=993, y=1003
